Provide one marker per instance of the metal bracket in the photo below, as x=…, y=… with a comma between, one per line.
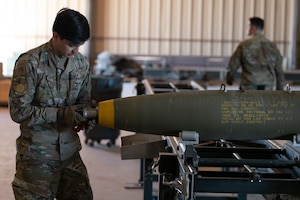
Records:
x=189, y=137
x=296, y=140
x=186, y=141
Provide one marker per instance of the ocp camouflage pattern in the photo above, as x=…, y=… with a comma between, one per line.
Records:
x=39, y=87
x=261, y=63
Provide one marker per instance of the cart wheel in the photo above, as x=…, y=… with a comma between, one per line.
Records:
x=91, y=143
x=109, y=144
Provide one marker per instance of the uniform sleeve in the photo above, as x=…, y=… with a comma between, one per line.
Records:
x=279, y=72
x=21, y=106
x=234, y=64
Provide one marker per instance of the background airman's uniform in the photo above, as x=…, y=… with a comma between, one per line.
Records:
x=261, y=64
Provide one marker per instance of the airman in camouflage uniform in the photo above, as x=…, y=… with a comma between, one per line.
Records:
x=50, y=85
x=260, y=60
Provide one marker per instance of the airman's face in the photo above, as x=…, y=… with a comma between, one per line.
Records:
x=251, y=29
x=63, y=47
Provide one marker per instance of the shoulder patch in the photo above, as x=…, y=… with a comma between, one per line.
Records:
x=19, y=85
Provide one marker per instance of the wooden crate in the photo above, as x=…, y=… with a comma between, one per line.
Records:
x=4, y=90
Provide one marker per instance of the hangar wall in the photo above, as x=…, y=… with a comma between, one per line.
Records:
x=188, y=27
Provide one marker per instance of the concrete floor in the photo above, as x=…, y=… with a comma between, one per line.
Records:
x=108, y=173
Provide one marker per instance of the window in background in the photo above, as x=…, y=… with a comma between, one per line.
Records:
x=28, y=23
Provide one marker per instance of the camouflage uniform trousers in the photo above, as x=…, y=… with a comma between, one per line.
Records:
x=44, y=179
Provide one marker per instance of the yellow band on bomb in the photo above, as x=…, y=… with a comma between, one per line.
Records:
x=106, y=113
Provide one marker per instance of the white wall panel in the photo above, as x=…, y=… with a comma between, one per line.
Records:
x=287, y=26
x=270, y=19
x=227, y=32
x=196, y=33
x=176, y=23
x=134, y=26
x=186, y=27
x=165, y=27
x=154, y=24
x=239, y=25
x=217, y=27
x=259, y=8
x=28, y=23
x=144, y=27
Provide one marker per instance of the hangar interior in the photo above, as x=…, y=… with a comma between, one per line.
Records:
x=171, y=48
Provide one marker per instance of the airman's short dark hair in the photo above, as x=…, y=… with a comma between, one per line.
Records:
x=257, y=22
x=71, y=25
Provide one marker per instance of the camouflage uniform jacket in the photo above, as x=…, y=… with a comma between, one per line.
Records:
x=40, y=85
x=261, y=63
